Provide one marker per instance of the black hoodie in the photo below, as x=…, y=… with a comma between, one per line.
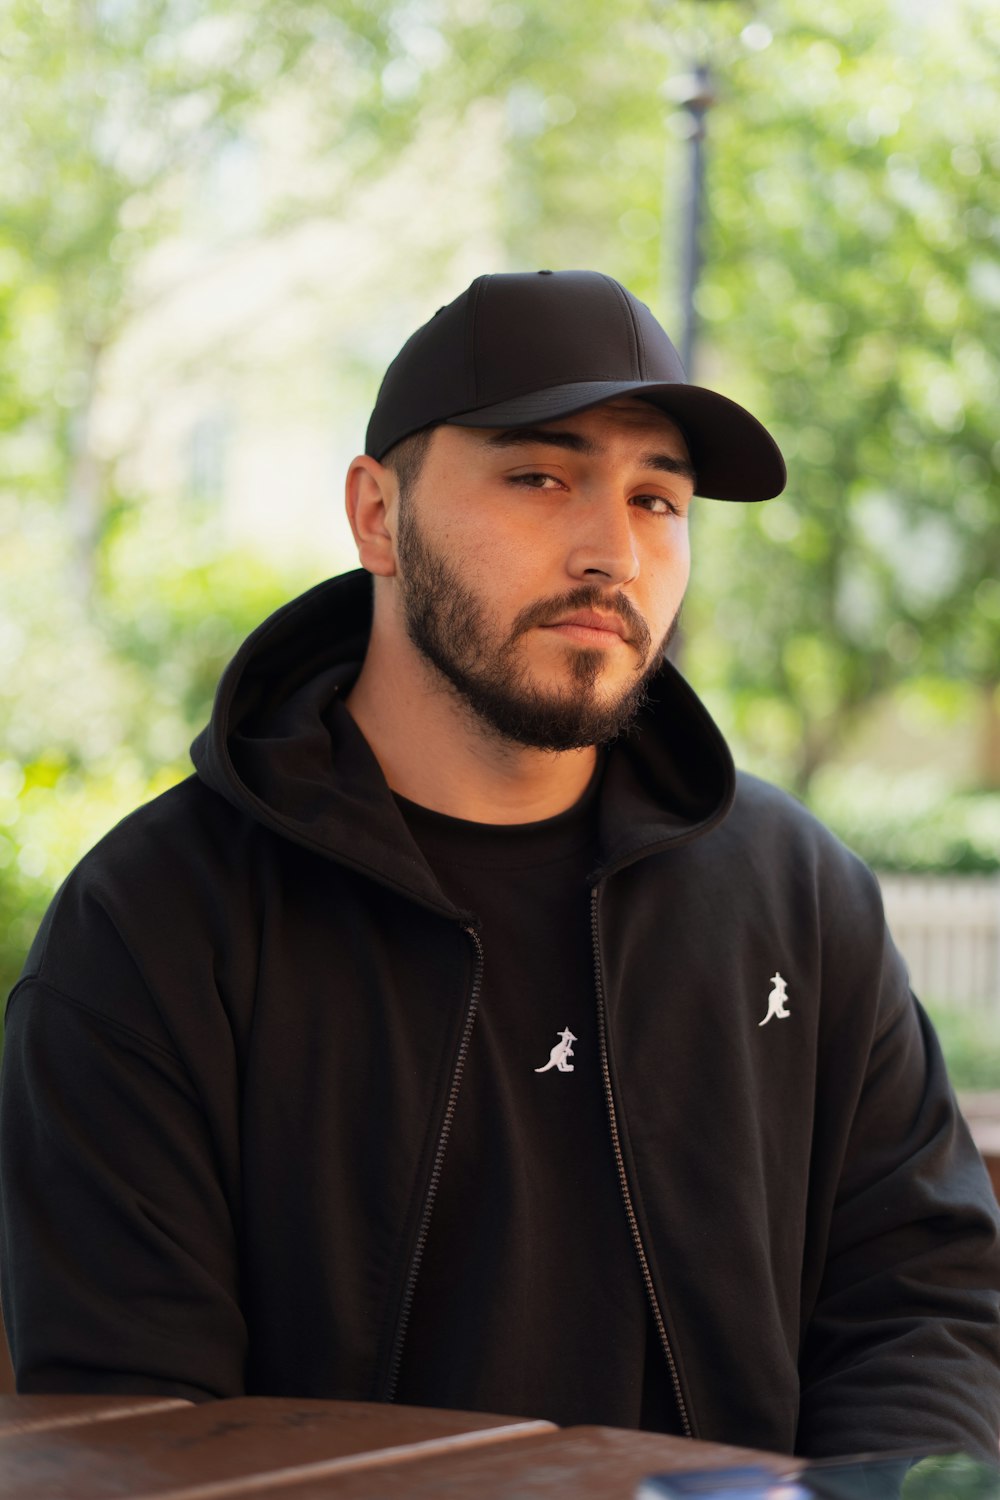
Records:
x=232, y=1057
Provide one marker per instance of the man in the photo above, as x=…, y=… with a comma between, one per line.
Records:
x=465, y=1032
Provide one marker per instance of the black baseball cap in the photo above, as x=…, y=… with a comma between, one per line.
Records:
x=531, y=346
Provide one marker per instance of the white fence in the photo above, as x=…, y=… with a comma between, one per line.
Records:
x=948, y=930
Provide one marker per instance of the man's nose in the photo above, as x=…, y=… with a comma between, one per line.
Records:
x=603, y=544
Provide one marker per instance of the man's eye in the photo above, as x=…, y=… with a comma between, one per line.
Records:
x=657, y=505
x=535, y=481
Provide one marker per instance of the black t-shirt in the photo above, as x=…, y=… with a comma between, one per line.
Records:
x=529, y=1299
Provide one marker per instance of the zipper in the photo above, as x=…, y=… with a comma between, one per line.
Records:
x=633, y=1222
x=406, y=1305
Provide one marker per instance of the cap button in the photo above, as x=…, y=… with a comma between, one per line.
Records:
x=545, y=273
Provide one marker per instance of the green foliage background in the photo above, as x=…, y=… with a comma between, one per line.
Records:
x=850, y=295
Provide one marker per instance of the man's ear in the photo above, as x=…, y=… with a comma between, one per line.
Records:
x=372, y=496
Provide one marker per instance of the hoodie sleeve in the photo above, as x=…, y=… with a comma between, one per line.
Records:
x=105, y=1141
x=902, y=1347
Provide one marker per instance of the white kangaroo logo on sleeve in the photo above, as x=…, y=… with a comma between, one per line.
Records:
x=776, y=1001
x=561, y=1053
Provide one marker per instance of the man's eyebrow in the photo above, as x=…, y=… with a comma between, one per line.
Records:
x=668, y=464
x=522, y=437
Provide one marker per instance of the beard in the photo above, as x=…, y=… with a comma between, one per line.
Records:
x=482, y=665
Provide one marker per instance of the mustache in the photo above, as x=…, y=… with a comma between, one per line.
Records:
x=587, y=596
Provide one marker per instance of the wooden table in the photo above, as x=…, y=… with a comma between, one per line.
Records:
x=144, y=1448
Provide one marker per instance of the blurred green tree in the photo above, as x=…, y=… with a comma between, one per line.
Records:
x=855, y=216
x=110, y=107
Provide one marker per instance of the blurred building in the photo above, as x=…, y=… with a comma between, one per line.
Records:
x=241, y=387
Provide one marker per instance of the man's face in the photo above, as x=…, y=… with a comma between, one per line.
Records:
x=541, y=570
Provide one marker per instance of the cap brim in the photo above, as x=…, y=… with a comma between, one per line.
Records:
x=734, y=455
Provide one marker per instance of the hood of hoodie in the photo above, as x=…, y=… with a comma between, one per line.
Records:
x=281, y=746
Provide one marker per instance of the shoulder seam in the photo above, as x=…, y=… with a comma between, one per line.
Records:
x=144, y=1041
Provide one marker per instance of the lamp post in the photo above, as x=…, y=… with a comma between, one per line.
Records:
x=697, y=103
x=693, y=91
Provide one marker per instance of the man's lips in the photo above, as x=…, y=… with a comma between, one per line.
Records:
x=590, y=626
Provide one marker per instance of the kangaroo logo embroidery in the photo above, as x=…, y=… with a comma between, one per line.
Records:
x=561, y=1053
x=776, y=1001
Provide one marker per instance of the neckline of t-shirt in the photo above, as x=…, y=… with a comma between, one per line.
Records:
x=459, y=841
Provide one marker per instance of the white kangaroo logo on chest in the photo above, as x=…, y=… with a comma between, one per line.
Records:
x=561, y=1053
x=776, y=1001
